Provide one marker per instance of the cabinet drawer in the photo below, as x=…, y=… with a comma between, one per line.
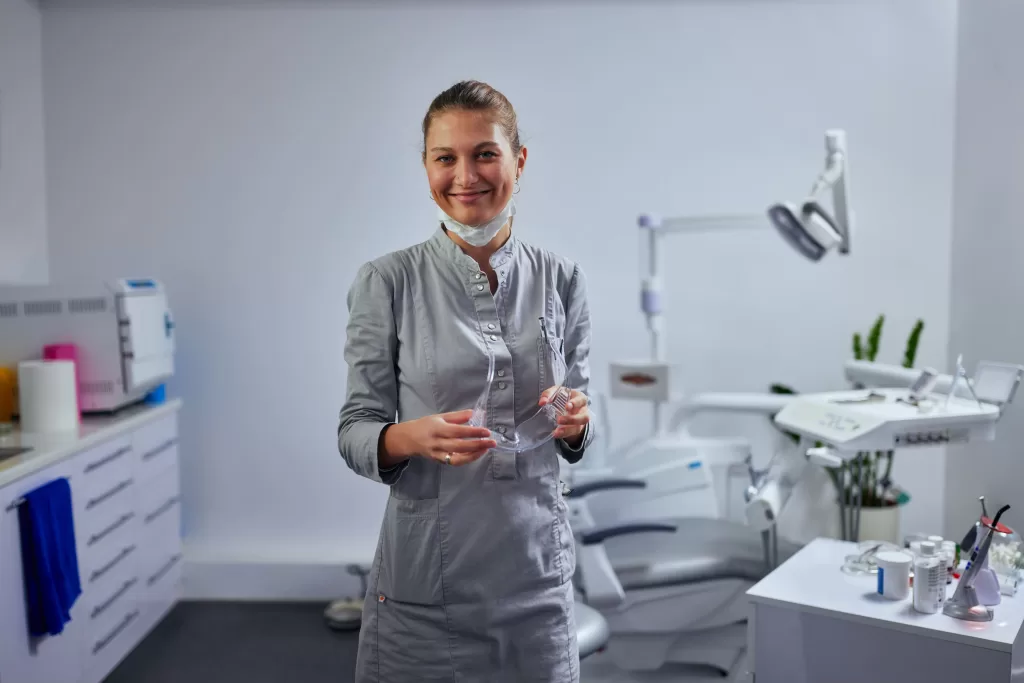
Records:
x=113, y=632
x=106, y=604
x=106, y=556
x=155, y=446
x=160, y=505
x=100, y=529
x=155, y=461
x=101, y=473
x=162, y=574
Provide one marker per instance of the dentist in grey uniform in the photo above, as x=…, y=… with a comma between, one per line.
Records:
x=471, y=578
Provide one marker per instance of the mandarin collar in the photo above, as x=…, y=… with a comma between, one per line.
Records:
x=450, y=251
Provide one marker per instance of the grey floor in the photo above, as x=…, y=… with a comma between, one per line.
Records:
x=232, y=642
x=226, y=642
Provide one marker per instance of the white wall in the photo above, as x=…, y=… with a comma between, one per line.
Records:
x=988, y=244
x=253, y=155
x=23, y=256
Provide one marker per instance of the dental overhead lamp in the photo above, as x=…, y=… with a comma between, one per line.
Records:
x=808, y=227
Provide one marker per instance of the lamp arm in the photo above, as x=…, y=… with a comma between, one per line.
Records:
x=832, y=173
x=835, y=176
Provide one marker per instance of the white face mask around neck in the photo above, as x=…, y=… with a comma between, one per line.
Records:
x=478, y=235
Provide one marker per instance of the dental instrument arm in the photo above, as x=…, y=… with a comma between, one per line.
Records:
x=728, y=402
x=650, y=290
x=869, y=374
x=809, y=229
x=993, y=382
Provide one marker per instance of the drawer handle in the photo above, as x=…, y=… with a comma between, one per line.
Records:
x=108, y=458
x=110, y=565
x=101, y=608
x=102, y=497
x=163, y=570
x=103, y=642
x=162, y=509
x=159, y=449
x=96, y=538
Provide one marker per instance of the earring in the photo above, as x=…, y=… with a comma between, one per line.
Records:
x=516, y=191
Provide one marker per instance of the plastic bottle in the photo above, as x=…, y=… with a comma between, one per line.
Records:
x=929, y=580
x=949, y=555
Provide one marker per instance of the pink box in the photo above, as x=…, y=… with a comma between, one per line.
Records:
x=66, y=352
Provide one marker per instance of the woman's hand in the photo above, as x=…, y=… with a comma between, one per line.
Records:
x=438, y=436
x=577, y=415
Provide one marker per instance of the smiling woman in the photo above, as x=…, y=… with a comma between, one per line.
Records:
x=472, y=576
x=473, y=158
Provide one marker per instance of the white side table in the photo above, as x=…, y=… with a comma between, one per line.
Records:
x=811, y=623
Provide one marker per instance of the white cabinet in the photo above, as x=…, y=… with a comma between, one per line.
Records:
x=53, y=659
x=126, y=501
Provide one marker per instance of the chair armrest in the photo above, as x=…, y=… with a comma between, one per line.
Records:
x=600, y=534
x=604, y=485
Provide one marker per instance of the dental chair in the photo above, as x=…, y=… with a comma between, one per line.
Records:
x=592, y=628
x=672, y=598
x=685, y=476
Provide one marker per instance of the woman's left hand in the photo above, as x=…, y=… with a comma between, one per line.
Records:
x=577, y=415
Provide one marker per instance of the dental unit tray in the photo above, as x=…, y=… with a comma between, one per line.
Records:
x=886, y=419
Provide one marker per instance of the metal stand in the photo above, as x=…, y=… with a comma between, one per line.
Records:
x=849, y=512
x=346, y=614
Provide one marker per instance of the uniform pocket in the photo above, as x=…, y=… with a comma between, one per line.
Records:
x=551, y=363
x=410, y=564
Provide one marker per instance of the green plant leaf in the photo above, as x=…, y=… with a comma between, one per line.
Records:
x=910, y=353
x=875, y=338
x=858, y=347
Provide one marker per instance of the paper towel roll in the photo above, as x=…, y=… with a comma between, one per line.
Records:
x=47, y=396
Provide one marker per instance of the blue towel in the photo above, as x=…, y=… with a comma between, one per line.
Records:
x=49, y=558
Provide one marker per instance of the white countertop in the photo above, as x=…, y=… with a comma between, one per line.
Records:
x=47, y=449
x=812, y=581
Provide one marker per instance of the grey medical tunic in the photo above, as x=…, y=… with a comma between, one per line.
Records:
x=471, y=578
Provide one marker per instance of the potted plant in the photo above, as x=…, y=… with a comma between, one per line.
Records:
x=880, y=498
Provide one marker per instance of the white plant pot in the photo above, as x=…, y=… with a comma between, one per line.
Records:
x=880, y=524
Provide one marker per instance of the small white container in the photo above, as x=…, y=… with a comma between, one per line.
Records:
x=929, y=580
x=893, y=574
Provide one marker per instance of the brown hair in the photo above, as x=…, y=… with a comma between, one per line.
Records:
x=475, y=96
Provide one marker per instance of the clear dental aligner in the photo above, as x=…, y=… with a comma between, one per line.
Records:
x=539, y=428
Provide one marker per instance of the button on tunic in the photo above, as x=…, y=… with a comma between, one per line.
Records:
x=471, y=578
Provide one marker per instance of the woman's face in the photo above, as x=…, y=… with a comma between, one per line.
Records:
x=470, y=165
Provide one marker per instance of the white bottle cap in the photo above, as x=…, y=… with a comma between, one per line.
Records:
x=892, y=558
x=937, y=540
x=927, y=548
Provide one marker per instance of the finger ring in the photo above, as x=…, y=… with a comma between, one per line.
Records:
x=448, y=459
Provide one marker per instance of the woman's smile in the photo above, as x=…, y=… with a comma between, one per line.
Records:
x=469, y=197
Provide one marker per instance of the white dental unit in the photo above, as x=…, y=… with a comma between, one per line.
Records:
x=676, y=596
x=812, y=622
